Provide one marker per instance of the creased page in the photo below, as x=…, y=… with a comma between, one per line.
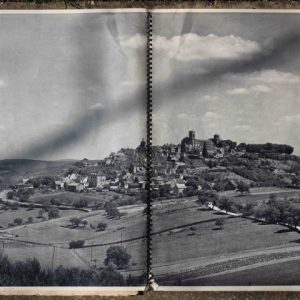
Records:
x=72, y=168
x=226, y=146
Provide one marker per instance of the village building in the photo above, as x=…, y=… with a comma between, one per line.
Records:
x=75, y=187
x=193, y=146
x=178, y=189
x=97, y=180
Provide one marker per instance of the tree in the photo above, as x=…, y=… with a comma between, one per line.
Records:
x=206, y=196
x=118, y=256
x=112, y=210
x=242, y=187
x=211, y=164
x=24, y=197
x=272, y=199
x=101, y=226
x=294, y=216
x=53, y=213
x=109, y=276
x=75, y=221
x=225, y=203
x=164, y=190
x=10, y=195
x=84, y=222
x=81, y=203
x=220, y=223
x=76, y=244
x=18, y=221
x=248, y=209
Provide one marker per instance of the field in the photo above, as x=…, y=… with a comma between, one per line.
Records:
x=193, y=241
x=261, y=195
x=8, y=216
x=283, y=273
x=188, y=247
x=69, y=198
x=42, y=239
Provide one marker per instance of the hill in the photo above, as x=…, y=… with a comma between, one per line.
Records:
x=12, y=170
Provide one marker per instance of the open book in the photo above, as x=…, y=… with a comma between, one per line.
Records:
x=149, y=149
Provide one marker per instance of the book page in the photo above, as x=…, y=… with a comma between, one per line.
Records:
x=226, y=111
x=72, y=129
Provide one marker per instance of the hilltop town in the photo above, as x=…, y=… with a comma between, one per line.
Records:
x=194, y=164
x=178, y=170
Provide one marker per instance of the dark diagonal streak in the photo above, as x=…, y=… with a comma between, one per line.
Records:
x=95, y=119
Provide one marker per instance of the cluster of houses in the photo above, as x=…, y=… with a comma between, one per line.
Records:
x=170, y=168
x=125, y=182
x=176, y=178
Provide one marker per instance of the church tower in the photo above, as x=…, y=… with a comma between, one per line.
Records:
x=192, y=137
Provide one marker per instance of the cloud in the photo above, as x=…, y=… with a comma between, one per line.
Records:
x=97, y=106
x=274, y=76
x=257, y=89
x=183, y=116
x=190, y=46
x=210, y=98
x=2, y=127
x=212, y=115
x=261, y=88
x=238, y=91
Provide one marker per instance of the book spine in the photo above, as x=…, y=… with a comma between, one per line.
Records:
x=149, y=147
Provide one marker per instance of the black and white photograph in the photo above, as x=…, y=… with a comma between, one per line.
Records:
x=226, y=146
x=72, y=152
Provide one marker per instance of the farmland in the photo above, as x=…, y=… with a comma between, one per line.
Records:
x=261, y=195
x=203, y=244
x=30, y=240
x=282, y=273
x=92, y=198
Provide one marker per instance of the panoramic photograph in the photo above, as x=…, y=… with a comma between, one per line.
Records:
x=73, y=151
x=226, y=146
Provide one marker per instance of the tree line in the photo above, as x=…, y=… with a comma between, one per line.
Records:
x=30, y=272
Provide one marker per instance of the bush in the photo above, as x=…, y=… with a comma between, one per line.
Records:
x=10, y=195
x=18, y=221
x=112, y=210
x=74, y=221
x=118, y=256
x=76, y=244
x=81, y=203
x=53, y=213
x=101, y=226
x=220, y=223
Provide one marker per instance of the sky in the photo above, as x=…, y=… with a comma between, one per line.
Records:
x=73, y=85
x=234, y=74
x=66, y=85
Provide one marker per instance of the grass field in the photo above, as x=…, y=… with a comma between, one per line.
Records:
x=200, y=242
x=283, y=273
x=69, y=198
x=8, y=216
x=261, y=195
x=184, y=237
x=57, y=233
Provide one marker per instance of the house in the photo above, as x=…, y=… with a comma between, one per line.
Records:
x=59, y=185
x=75, y=187
x=179, y=189
x=97, y=180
